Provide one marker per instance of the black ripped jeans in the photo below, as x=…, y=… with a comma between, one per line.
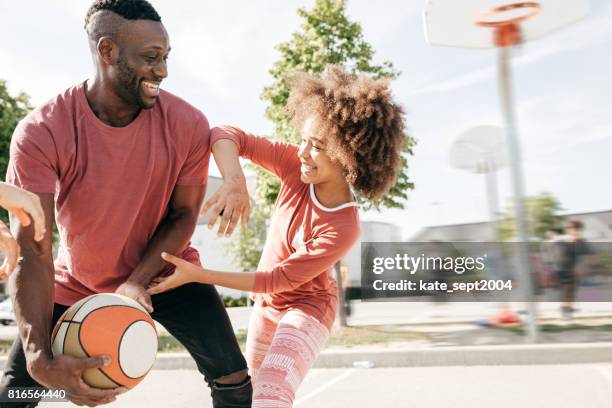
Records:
x=192, y=313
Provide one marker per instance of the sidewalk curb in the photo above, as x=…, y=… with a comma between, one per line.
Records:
x=462, y=321
x=529, y=354
x=524, y=354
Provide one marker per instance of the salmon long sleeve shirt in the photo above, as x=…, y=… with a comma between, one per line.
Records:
x=305, y=238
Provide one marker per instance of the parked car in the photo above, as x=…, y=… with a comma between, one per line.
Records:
x=7, y=315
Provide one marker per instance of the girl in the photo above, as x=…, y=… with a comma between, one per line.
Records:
x=352, y=135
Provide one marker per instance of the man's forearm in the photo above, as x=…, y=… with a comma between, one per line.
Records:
x=171, y=236
x=31, y=290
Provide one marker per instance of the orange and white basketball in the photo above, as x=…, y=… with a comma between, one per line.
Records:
x=112, y=325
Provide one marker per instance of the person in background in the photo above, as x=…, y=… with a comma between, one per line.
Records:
x=572, y=249
x=549, y=258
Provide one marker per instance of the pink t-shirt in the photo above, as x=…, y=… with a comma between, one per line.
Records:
x=305, y=238
x=112, y=185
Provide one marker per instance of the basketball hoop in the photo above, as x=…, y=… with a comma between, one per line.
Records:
x=467, y=23
x=451, y=23
x=507, y=32
x=532, y=7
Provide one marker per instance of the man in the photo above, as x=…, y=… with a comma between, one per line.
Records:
x=572, y=250
x=550, y=257
x=126, y=164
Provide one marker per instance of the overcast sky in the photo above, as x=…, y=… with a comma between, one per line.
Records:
x=222, y=52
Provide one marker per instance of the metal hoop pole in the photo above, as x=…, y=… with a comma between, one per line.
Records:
x=492, y=201
x=521, y=250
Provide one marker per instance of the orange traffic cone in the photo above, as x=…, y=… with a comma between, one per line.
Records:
x=505, y=317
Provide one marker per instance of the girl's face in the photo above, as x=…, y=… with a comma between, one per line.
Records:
x=317, y=167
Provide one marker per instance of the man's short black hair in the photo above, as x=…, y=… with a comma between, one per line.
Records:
x=128, y=9
x=574, y=224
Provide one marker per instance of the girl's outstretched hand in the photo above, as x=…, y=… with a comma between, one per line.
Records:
x=185, y=272
x=10, y=248
x=23, y=203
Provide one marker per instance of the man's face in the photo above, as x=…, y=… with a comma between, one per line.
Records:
x=142, y=62
x=575, y=233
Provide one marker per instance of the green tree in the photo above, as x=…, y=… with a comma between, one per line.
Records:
x=326, y=36
x=542, y=215
x=247, y=244
x=12, y=110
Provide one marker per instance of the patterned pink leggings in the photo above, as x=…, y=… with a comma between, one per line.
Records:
x=281, y=347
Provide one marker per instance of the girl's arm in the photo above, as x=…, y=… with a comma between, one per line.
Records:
x=279, y=158
x=232, y=199
x=187, y=272
x=309, y=261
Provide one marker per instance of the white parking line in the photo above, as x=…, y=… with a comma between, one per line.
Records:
x=323, y=387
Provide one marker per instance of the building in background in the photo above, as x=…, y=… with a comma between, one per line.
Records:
x=371, y=231
x=597, y=227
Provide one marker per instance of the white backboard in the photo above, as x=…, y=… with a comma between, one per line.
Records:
x=451, y=23
x=480, y=149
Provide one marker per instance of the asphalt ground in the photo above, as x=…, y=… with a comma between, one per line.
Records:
x=546, y=386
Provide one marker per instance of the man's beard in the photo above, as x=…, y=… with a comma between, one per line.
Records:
x=129, y=85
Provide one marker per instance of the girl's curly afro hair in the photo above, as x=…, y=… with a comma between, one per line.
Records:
x=363, y=127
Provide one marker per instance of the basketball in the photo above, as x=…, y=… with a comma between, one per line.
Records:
x=113, y=325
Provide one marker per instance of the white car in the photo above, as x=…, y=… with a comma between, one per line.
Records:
x=7, y=315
